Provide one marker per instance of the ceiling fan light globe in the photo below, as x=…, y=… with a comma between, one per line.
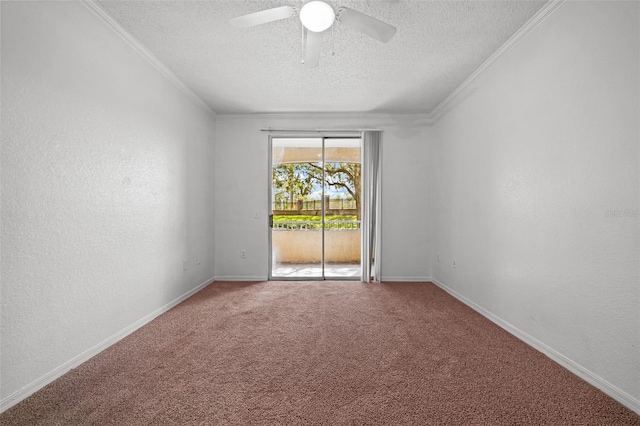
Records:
x=317, y=16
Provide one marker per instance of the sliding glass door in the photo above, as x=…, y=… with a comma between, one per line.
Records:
x=296, y=220
x=315, y=208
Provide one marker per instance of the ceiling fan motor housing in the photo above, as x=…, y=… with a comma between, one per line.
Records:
x=317, y=16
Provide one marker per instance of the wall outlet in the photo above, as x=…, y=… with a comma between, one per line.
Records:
x=185, y=265
x=198, y=260
x=454, y=263
x=438, y=257
x=243, y=254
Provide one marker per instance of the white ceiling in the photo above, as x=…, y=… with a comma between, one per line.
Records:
x=437, y=46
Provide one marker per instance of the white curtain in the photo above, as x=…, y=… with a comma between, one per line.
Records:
x=370, y=225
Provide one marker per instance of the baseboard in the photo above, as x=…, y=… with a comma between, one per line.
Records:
x=619, y=395
x=406, y=279
x=38, y=384
x=241, y=278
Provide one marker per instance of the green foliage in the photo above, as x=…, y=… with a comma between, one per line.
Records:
x=339, y=175
x=291, y=180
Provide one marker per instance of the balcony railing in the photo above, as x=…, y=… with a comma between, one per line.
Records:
x=329, y=225
x=333, y=204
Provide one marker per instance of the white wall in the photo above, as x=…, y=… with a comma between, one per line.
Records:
x=529, y=165
x=107, y=185
x=242, y=178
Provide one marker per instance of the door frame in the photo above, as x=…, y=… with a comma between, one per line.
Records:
x=314, y=135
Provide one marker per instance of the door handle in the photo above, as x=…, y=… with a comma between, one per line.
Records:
x=271, y=221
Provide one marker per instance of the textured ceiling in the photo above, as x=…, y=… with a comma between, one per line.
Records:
x=438, y=45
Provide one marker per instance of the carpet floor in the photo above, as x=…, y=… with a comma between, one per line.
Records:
x=325, y=353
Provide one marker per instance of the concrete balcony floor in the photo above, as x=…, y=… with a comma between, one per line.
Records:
x=314, y=270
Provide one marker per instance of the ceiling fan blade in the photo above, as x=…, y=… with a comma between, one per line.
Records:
x=366, y=24
x=262, y=17
x=312, y=49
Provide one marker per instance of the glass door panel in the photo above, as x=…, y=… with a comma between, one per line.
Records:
x=342, y=195
x=296, y=208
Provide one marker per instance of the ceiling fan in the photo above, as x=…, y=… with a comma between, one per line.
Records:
x=316, y=17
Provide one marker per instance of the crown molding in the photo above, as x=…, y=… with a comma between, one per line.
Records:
x=323, y=115
x=547, y=10
x=429, y=118
x=145, y=53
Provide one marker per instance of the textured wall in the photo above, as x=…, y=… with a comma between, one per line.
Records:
x=536, y=189
x=107, y=187
x=241, y=191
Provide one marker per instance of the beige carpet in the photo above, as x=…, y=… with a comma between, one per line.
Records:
x=328, y=353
